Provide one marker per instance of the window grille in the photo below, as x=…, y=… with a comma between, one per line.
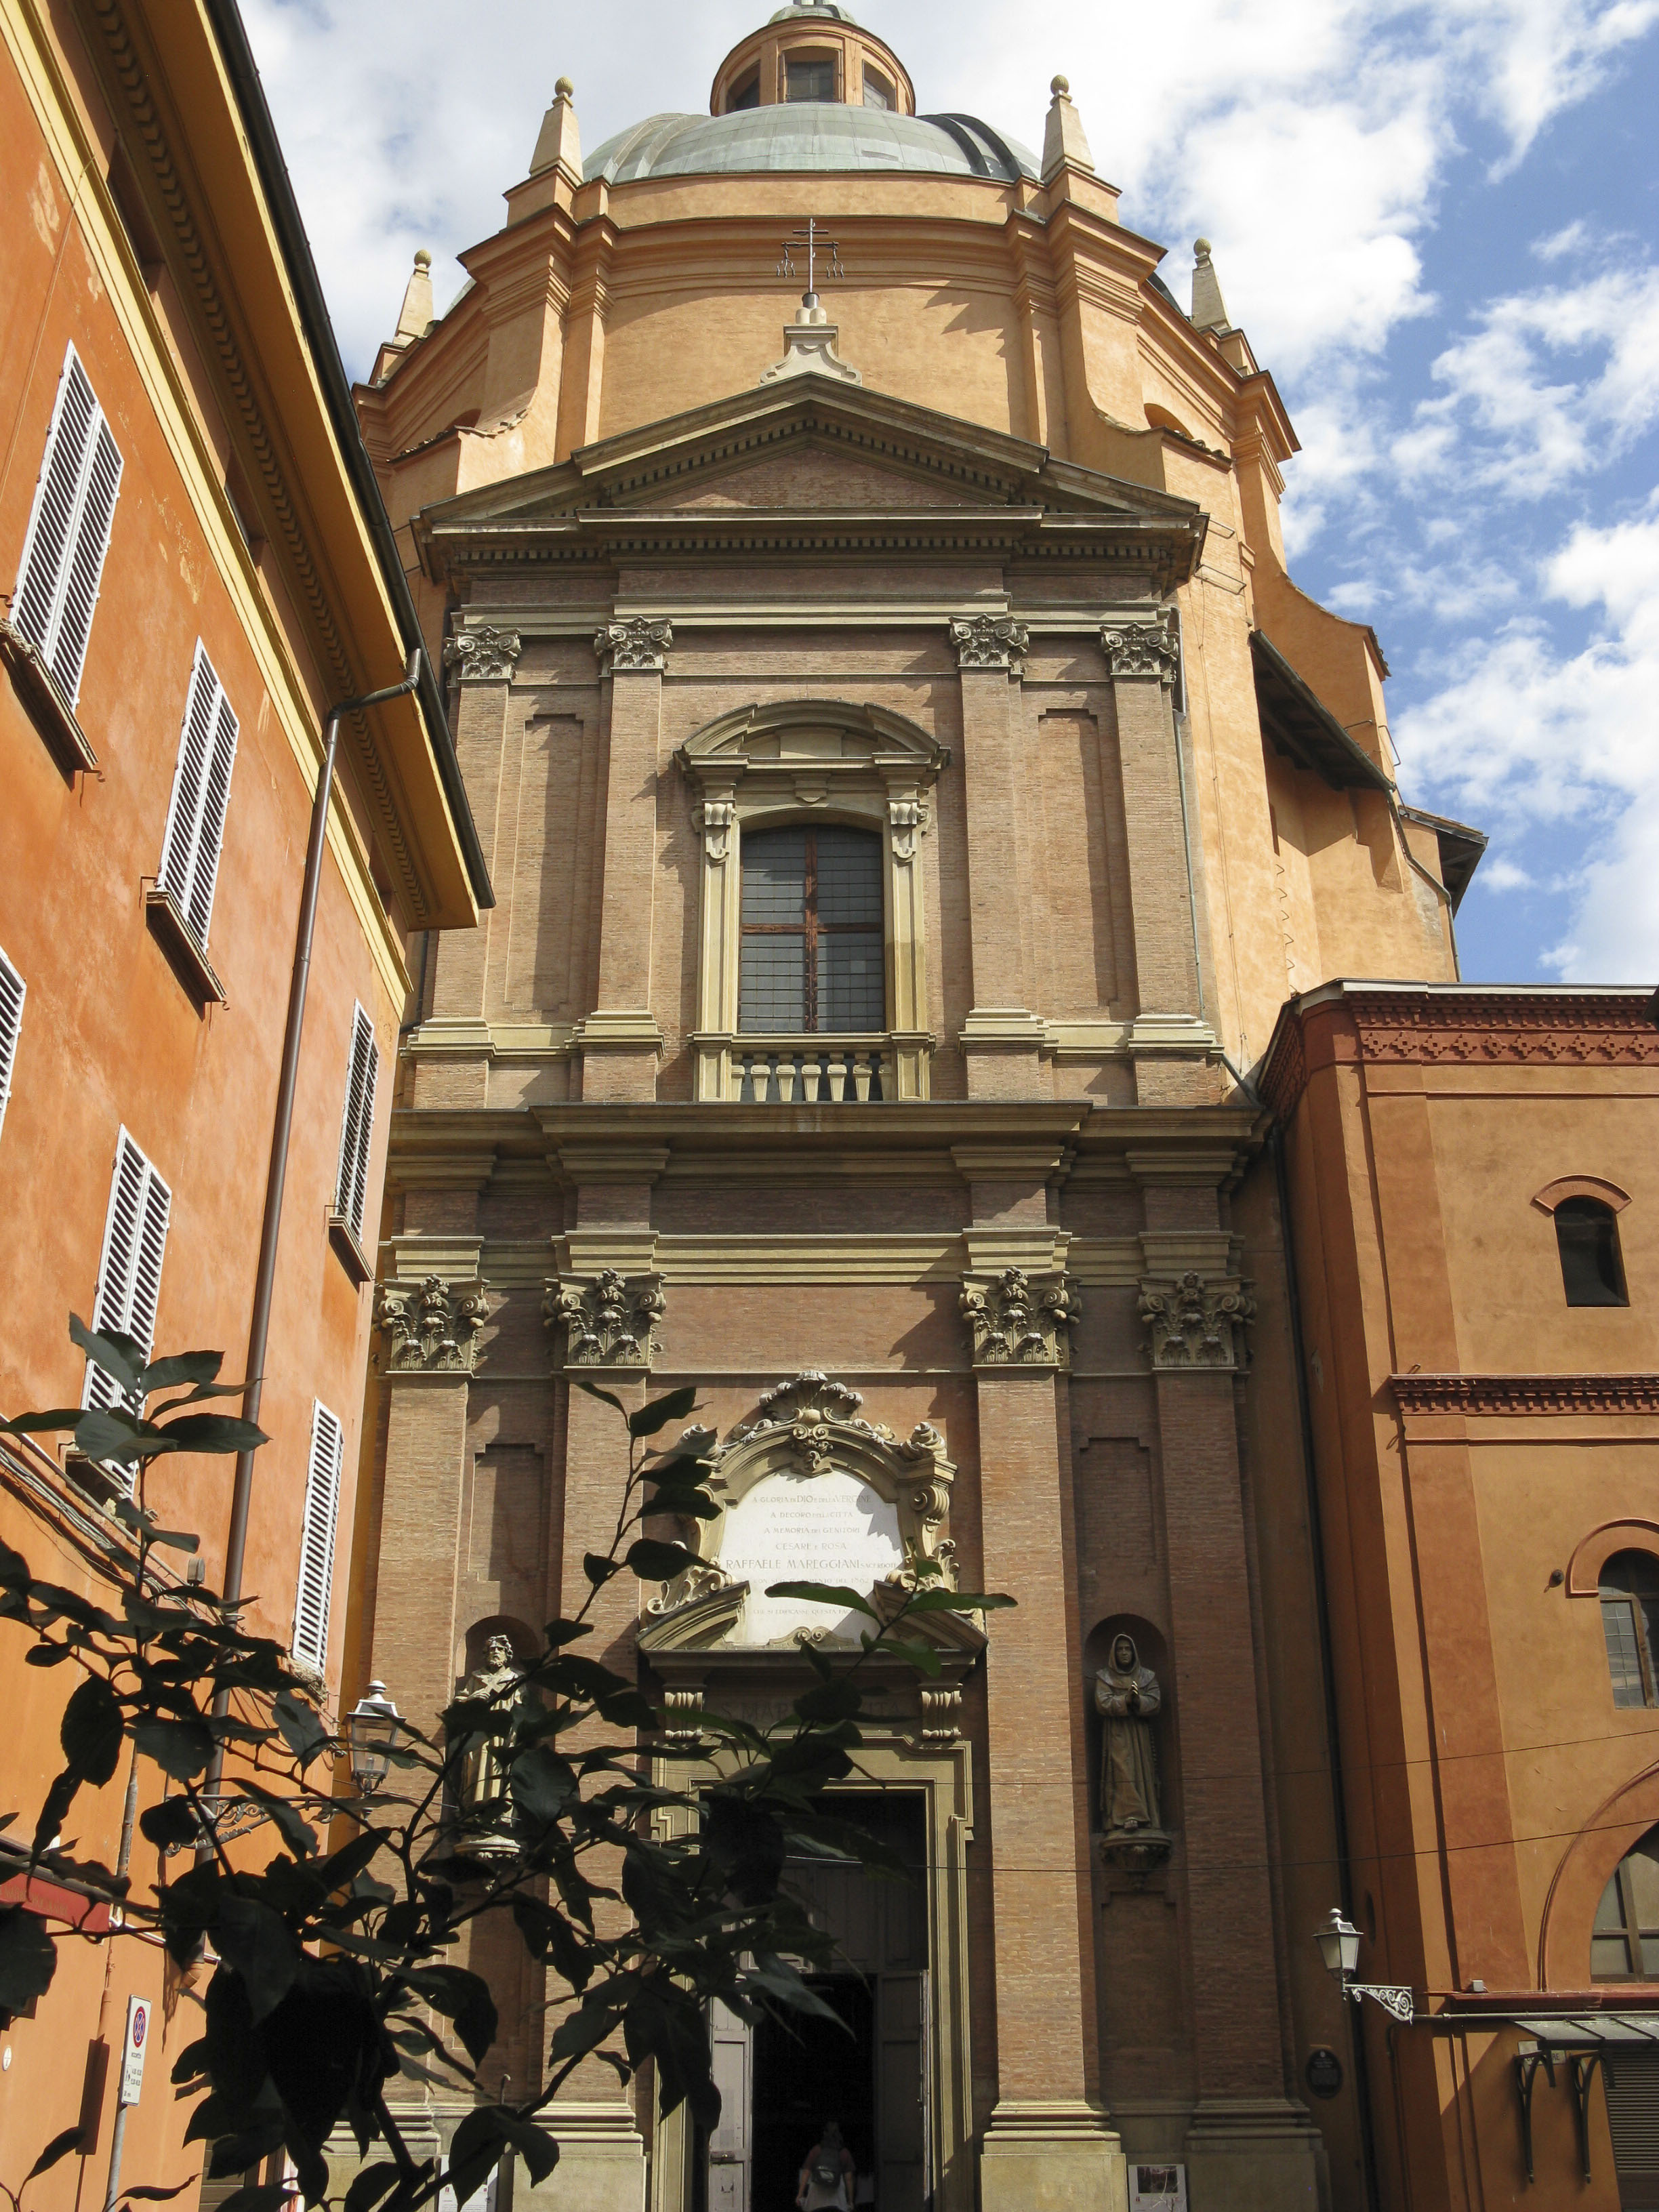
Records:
x=201, y=794
x=69, y=530
x=357, y=1127
x=129, y=1269
x=12, y=988
x=812, y=958
x=322, y=1514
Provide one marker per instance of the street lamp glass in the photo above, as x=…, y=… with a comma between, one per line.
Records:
x=373, y=1728
x=1338, y=1945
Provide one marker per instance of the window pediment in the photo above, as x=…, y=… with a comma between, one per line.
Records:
x=845, y=743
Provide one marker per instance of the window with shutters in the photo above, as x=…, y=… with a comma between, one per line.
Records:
x=129, y=1271
x=811, y=955
x=11, y=1022
x=69, y=530
x=347, y=1220
x=201, y=794
x=322, y=1514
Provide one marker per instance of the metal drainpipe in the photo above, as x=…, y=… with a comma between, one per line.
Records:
x=266, y=1281
x=123, y=1863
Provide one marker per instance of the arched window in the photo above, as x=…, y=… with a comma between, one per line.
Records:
x=812, y=962
x=1630, y=1621
x=1587, y=1237
x=1625, y=1943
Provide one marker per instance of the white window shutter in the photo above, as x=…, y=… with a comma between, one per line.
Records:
x=322, y=1515
x=201, y=794
x=130, y=1270
x=12, y=988
x=357, y=1128
x=69, y=530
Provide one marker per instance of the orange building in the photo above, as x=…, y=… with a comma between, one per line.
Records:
x=195, y=570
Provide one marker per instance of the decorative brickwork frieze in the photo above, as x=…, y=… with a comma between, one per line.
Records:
x=990, y=641
x=1526, y=1393
x=1196, y=1322
x=638, y=645
x=484, y=655
x=1019, y=1320
x=432, y=1329
x=608, y=1319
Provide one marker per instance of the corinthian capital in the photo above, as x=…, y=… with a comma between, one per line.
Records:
x=990, y=641
x=483, y=655
x=1195, y=1323
x=608, y=1319
x=640, y=644
x=1019, y=1320
x=431, y=1329
x=1141, y=648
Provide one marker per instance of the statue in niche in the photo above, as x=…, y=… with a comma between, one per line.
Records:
x=1126, y=1697
x=483, y=1776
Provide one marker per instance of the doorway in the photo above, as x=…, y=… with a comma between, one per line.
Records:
x=868, y=2068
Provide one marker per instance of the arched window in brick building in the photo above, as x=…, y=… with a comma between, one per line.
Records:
x=1630, y=1621
x=811, y=961
x=1625, y=1943
x=1587, y=1237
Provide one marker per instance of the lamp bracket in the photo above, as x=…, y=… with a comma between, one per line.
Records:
x=1393, y=2000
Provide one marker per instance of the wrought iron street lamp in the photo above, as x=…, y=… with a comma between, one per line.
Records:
x=1339, y=1946
x=372, y=1730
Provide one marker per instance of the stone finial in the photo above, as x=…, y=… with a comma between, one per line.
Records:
x=416, y=319
x=808, y=348
x=560, y=141
x=1209, y=308
x=1064, y=141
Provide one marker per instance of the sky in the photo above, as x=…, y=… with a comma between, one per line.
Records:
x=1436, y=226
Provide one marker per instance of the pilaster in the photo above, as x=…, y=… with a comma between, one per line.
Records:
x=620, y=1042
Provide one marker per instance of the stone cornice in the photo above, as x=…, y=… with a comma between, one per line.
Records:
x=1431, y=1025
x=1522, y=1394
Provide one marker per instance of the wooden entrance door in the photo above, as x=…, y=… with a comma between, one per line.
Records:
x=729, y=2145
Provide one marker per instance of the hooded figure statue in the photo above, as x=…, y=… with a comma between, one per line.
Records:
x=1126, y=1695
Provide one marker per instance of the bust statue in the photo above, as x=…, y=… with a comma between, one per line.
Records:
x=484, y=1777
x=1126, y=1696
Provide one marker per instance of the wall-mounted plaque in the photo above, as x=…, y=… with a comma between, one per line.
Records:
x=1323, y=2072
x=793, y=1526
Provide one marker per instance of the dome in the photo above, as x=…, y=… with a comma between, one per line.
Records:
x=807, y=135
x=805, y=10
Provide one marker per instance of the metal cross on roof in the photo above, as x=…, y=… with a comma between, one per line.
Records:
x=816, y=243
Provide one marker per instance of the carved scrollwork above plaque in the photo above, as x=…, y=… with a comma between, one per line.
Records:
x=1195, y=1323
x=990, y=641
x=1019, y=1320
x=714, y=818
x=483, y=655
x=638, y=645
x=608, y=1319
x=1141, y=649
x=431, y=1329
x=907, y=820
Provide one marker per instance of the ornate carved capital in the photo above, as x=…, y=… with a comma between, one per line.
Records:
x=608, y=1318
x=715, y=818
x=907, y=818
x=1140, y=649
x=1193, y=1322
x=483, y=655
x=1019, y=1320
x=431, y=1330
x=990, y=641
x=640, y=644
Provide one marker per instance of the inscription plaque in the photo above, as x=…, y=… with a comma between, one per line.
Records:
x=795, y=1527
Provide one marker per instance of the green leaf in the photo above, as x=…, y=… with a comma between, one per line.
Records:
x=922, y=1657
x=370, y=2186
x=68, y=2140
x=825, y=1594
x=172, y=1821
x=694, y=1504
x=543, y=1783
x=107, y=1434
x=257, y=1944
x=943, y=1600
x=599, y=1570
x=463, y=1999
x=582, y=2032
x=594, y=1391
x=92, y=1731
x=213, y=1432
x=176, y=1540
x=659, y=1411
x=117, y=1353
x=180, y=1749
x=48, y=1655
x=61, y=1417
x=149, y=2195
x=181, y=1367
x=351, y=1860
x=28, y=1957
x=658, y=1562
x=302, y=1729
x=300, y=1839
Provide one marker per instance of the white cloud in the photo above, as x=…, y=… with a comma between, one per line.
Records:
x=1528, y=732
x=1502, y=875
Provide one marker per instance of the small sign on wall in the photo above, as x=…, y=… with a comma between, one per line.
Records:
x=1156, y=2188
x=139, y=2010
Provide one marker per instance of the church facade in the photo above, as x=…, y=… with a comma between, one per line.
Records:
x=925, y=815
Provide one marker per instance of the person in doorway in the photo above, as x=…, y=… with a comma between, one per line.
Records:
x=828, y=2175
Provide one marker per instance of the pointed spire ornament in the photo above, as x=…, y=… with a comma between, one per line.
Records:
x=1209, y=308
x=1063, y=138
x=416, y=317
x=560, y=143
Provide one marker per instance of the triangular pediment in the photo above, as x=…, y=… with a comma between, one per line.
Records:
x=813, y=445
